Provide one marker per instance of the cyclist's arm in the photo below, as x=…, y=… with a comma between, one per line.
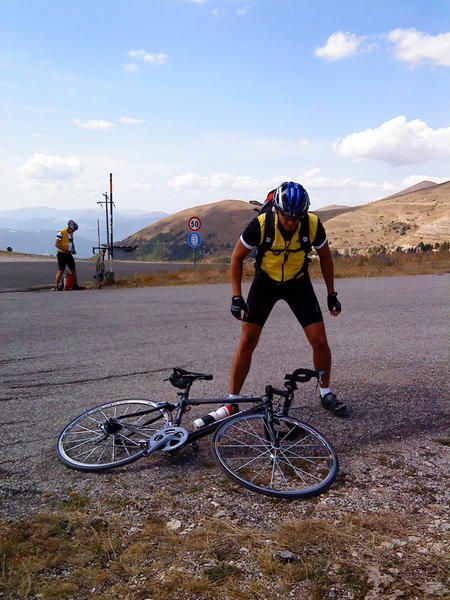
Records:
x=326, y=266
x=58, y=243
x=237, y=267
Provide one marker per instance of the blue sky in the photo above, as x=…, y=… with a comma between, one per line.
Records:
x=190, y=101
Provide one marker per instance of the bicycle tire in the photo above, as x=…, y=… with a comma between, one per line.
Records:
x=98, y=439
x=299, y=463
x=99, y=272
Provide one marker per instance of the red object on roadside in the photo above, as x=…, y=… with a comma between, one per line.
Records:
x=69, y=283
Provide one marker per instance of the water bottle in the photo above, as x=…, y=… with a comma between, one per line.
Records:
x=216, y=415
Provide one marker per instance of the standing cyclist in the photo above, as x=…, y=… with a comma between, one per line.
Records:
x=283, y=235
x=66, y=249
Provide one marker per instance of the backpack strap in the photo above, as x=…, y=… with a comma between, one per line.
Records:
x=313, y=223
x=307, y=232
x=267, y=237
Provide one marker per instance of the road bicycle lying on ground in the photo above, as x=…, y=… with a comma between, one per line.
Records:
x=261, y=447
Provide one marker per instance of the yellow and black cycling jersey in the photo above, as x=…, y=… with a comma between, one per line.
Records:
x=286, y=258
x=66, y=240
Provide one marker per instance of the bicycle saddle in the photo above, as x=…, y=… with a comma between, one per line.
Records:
x=181, y=378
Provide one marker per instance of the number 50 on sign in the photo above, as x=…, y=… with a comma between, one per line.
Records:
x=194, y=223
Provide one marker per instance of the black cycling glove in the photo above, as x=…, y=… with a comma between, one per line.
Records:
x=238, y=304
x=333, y=302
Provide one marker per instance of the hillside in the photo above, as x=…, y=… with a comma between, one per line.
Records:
x=414, y=188
x=222, y=223
x=405, y=219
x=418, y=214
x=330, y=212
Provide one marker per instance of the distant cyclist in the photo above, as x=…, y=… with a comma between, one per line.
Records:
x=66, y=250
x=283, y=234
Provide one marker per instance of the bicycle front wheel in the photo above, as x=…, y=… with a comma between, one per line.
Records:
x=110, y=435
x=286, y=459
x=99, y=272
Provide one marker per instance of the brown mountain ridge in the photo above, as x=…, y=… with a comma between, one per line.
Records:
x=405, y=219
x=418, y=214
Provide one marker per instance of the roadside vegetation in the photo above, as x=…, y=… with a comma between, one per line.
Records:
x=76, y=553
x=372, y=265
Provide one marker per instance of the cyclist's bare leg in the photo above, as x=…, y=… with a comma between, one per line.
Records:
x=321, y=351
x=243, y=356
x=59, y=274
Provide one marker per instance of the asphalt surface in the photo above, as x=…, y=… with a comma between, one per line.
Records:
x=23, y=275
x=63, y=353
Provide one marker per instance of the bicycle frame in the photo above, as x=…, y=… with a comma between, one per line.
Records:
x=263, y=404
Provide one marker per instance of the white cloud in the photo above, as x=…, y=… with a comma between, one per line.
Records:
x=197, y=1
x=130, y=121
x=415, y=47
x=45, y=167
x=216, y=13
x=339, y=45
x=397, y=142
x=313, y=180
x=94, y=124
x=152, y=59
x=218, y=181
x=242, y=11
x=131, y=68
x=414, y=179
x=224, y=184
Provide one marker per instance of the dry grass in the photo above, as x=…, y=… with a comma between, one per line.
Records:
x=354, y=266
x=383, y=265
x=73, y=555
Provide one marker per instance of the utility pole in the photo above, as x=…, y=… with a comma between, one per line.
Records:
x=106, y=202
x=111, y=215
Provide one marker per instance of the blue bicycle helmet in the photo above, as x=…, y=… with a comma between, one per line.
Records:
x=72, y=225
x=291, y=199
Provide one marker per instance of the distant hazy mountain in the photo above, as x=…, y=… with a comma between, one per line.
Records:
x=34, y=229
x=40, y=242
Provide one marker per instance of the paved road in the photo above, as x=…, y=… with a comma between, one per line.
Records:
x=62, y=353
x=23, y=275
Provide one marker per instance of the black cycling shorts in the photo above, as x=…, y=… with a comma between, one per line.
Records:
x=298, y=293
x=65, y=260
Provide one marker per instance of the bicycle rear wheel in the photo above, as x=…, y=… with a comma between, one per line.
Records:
x=110, y=435
x=289, y=459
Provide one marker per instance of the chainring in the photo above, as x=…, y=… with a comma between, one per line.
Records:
x=176, y=438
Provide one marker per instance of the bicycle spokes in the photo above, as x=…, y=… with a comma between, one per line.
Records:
x=285, y=457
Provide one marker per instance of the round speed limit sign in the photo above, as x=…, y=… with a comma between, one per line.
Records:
x=194, y=223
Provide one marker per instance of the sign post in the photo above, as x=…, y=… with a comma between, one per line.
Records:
x=194, y=239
